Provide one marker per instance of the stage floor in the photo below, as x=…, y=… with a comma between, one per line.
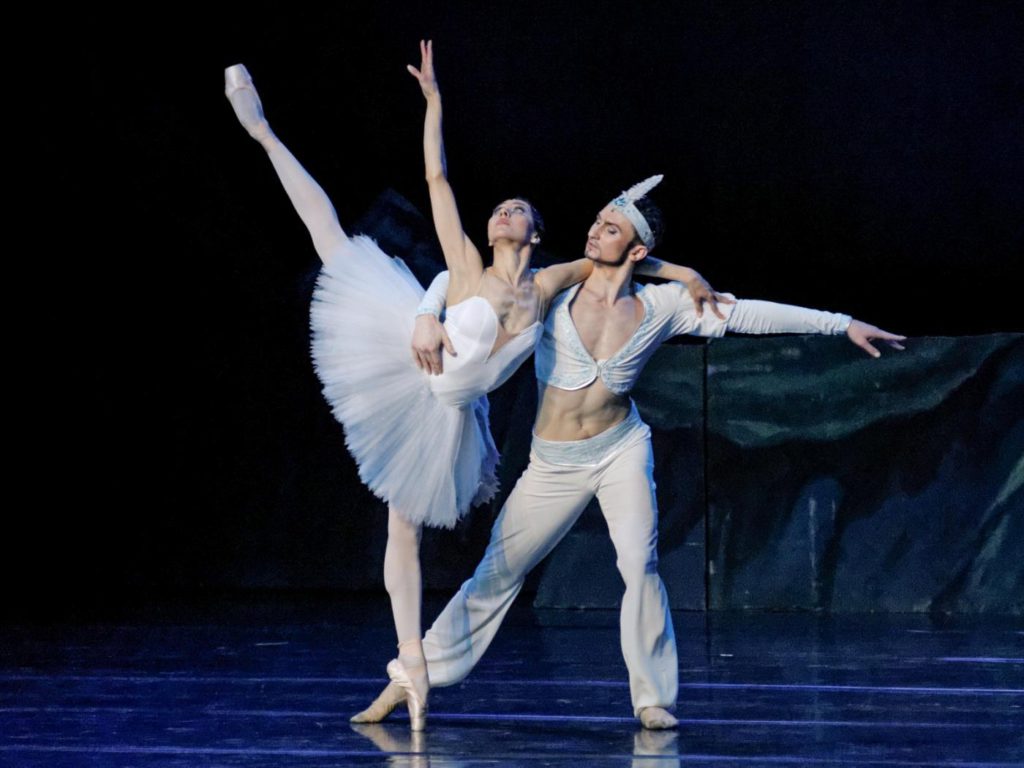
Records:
x=271, y=682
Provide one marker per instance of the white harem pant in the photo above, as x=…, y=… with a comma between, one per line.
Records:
x=617, y=467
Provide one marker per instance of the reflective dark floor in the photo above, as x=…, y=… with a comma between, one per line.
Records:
x=272, y=683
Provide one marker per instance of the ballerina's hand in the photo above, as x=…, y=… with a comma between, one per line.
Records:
x=428, y=337
x=701, y=292
x=425, y=74
x=862, y=334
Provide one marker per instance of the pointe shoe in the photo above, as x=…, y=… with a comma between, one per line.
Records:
x=416, y=702
x=392, y=695
x=245, y=101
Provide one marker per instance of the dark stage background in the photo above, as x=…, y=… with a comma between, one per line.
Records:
x=859, y=157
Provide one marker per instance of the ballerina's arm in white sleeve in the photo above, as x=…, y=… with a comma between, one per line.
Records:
x=308, y=197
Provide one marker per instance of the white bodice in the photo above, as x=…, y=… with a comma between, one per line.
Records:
x=472, y=326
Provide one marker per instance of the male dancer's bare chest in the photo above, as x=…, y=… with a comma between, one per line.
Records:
x=605, y=329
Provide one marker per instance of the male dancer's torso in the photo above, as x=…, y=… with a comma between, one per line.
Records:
x=603, y=329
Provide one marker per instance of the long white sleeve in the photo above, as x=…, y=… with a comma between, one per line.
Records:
x=755, y=316
x=435, y=298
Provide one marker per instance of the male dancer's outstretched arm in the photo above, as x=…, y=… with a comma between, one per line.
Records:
x=762, y=317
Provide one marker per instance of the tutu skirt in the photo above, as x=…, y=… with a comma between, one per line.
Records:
x=428, y=460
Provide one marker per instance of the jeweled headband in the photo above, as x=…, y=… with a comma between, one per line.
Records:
x=625, y=203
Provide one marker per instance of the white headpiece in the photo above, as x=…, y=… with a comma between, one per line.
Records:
x=625, y=203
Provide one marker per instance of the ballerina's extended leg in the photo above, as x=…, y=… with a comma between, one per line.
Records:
x=308, y=197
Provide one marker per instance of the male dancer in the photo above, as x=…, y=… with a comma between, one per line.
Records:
x=589, y=441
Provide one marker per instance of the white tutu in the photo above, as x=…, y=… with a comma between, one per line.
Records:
x=430, y=461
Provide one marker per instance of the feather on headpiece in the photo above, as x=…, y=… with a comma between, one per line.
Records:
x=625, y=203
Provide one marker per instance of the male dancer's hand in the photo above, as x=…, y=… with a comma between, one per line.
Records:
x=701, y=292
x=861, y=334
x=428, y=337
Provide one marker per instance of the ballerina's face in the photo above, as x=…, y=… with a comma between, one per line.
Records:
x=512, y=220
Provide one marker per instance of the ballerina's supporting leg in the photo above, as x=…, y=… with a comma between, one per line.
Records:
x=402, y=577
x=409, y=681
x=404, y=583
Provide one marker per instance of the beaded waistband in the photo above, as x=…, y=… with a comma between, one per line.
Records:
x=593, y=450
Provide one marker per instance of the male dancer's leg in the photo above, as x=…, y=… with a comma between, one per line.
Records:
x=626, y=494
x=541, y=509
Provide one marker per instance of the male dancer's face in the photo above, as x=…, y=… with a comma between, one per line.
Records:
x=610, y=238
